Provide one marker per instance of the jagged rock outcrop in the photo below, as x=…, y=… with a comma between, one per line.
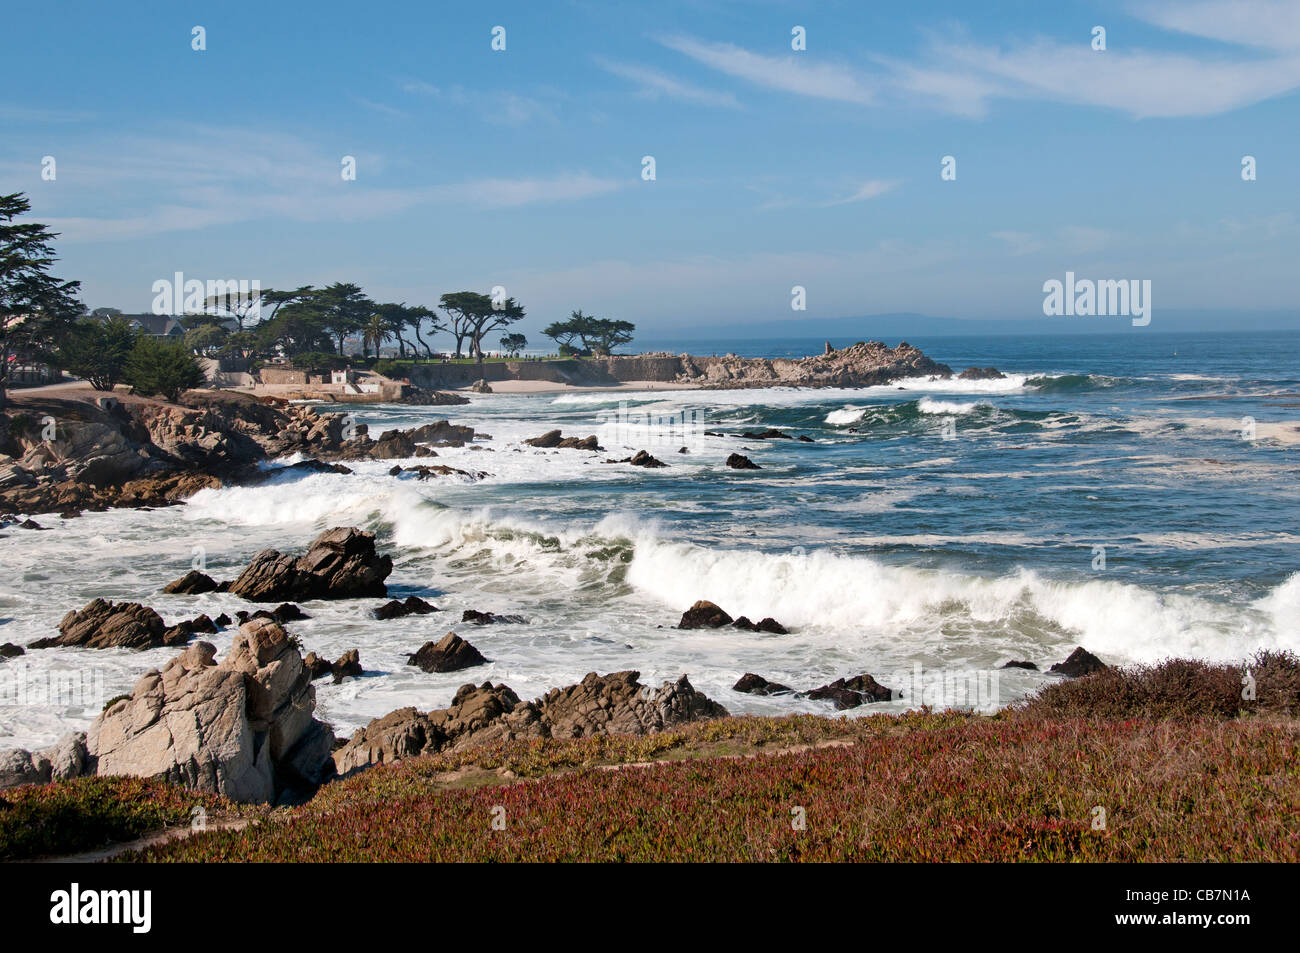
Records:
x=1079, y=663
x=490, y=618
x=751, y=684
x=600, y=704
x=738, y=461
x=67, y=758
x=443, y=433
x=449, y=654
x=642, y=458
x=852, y=692
x=554, y=439
x=340, y=563
x=704, y=615
x=9, y=650
x=411, y=605
x=107, y=625
x=192, y=583
x=766, y=624
x=242, y=728
x=67, y=455
x=418, y=396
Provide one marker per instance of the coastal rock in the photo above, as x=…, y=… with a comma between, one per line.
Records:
x=641, y=459
x=418, y=396
x=738, y=461
x=490, y=618
x=9, y=650
x=107, y=625
x=767, y=624
x=192, y=583
x=751, y=684
x=1080, y=662
x=443, y=433
x=769, y=434
x=981, y=374
x=340, y=563
x=242, y=728
x=425, y=472
x=348, y=665
x=852, y=692
x=599, y=704
x=450, y=654
x=67, y=758
x=554, y=439
x=316, y=666
x=411, y=605
x=704, y=615
x=1017, y=663
x=481, y=386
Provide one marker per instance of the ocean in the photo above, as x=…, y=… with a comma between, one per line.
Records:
x=1135, y=494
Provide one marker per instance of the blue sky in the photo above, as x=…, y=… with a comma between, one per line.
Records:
x=775, y=168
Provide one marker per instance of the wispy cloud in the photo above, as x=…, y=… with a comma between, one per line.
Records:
x=873, y=188
x=796, y=74
x=964, y=78
x=654, y=85
x=185, y=184
x=500, y=107
x=382, y=108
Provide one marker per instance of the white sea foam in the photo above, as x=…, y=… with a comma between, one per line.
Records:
x=927, y=406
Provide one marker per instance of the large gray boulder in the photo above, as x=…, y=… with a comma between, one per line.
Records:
x=242, y=728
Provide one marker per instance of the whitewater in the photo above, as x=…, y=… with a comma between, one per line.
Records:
x=1096, y=496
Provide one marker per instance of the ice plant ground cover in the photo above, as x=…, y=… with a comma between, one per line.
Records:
x=910, y=788
x=1166, y=762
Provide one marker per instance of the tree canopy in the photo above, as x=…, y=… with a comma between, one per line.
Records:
x=37, y=310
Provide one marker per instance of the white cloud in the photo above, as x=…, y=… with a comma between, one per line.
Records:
x=873, y=188
x=1270, y=24
x=797, y=73
x=190, y=182
x=654, y=84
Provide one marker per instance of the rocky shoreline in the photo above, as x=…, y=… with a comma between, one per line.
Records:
x=245, y=727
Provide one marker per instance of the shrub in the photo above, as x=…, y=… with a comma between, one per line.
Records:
x=162, y=366
x=98, y=351
x=1175, y=688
